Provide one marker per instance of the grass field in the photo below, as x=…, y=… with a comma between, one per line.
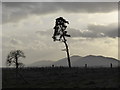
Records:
x=61, y=77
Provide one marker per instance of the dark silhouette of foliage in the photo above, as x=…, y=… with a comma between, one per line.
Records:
x=60, y=29
x=13, y=58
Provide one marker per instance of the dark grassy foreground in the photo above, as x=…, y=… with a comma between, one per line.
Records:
x=61, y=77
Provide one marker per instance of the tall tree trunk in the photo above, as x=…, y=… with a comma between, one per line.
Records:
x=16, y=62
x=16, y=58
x=67, y=50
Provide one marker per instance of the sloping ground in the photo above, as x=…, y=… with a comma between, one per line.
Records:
x=61, y=77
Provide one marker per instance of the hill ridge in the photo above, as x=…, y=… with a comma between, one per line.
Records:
x=76, y=60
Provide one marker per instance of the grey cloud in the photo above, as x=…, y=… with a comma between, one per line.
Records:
x=73, y=32
x=15, y=42
x=81, y=33
x=97, y=31
x=44, y=33
x=94, y=31
x=61, y=1
x=110, y=30
x=15, y=11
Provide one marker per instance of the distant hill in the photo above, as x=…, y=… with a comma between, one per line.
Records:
x=78, y=61
x=41, y=64
x=96, y=61
x=64, y=61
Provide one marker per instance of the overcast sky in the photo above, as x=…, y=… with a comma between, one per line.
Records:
x=60, y=0
x=28, y=26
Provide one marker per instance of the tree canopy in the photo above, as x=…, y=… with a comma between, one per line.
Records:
x=13, y=58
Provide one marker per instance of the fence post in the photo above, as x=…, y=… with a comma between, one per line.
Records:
x=110, y=65
x=85, y=65
x=52, y=66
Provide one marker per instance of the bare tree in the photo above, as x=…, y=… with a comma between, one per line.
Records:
x=13, y=58
x=60, y=30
